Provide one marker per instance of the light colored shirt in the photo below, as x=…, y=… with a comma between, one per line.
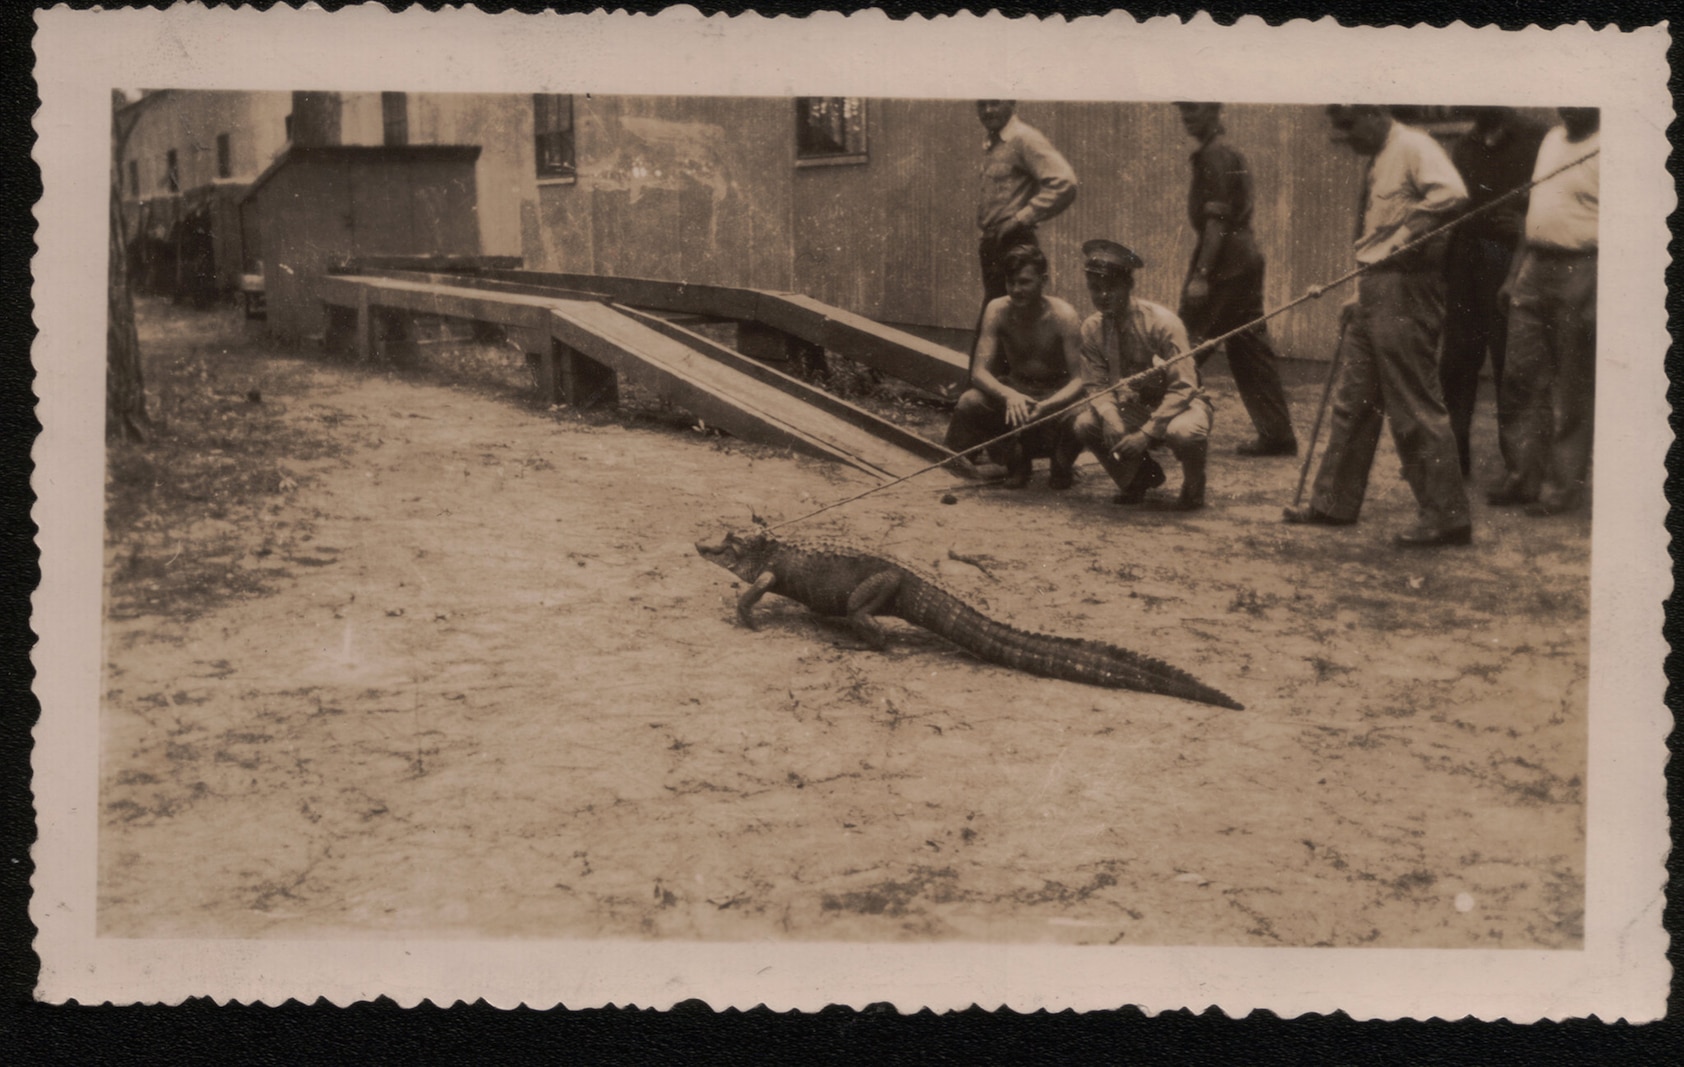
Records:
x=1024, y=178
x=1148, y=336
x=1412, y=187
x=1563, y=211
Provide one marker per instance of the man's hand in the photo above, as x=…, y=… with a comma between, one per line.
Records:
x=1132, y=446
x=1013, y=231
x=1019, y=409
x=1198, y=290
x=1152, y=381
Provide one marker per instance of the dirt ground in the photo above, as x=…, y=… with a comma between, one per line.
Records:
x=398, y=653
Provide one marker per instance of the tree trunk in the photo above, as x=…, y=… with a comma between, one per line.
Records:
x=125, y=387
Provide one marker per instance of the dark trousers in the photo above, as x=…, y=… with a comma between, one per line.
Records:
x=1474, y=323
x=1234, y=302
x=991, y=252
x=1387, y=375
x=1550, y=386
x=978, y=417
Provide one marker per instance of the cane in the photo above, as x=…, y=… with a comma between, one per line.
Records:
x=1321, y=410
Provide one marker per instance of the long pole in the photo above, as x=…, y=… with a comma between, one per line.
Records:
x=1321, y=410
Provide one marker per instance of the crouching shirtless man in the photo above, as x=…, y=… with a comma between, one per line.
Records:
x=1028, y=364
x=1125, y=337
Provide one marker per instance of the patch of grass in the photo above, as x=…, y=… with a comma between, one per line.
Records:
x=182, y=506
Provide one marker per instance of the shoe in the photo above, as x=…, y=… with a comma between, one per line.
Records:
x=1018, y=467
x=1509, y=495
x=1260, y=447
x=1312, y=517
x=1545, y=506
x=1422, y=537
x=1148, y=476
x=1192, y=496
x=1061, y=479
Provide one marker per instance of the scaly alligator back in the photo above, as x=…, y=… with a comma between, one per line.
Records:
x=1071, y=659
x=824, y=575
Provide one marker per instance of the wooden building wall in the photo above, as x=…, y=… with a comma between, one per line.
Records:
x=707, y=190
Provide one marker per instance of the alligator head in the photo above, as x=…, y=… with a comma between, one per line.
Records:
x=744, y=555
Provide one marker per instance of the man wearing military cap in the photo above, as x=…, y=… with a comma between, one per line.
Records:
x=1124, y=337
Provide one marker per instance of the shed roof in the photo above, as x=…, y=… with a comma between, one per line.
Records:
x=363, y=153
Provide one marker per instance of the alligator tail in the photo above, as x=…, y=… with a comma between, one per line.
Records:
x=1066, y=658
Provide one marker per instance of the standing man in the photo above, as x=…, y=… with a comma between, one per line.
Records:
x=1493, y=158
x=1390, y=331
x=1025, y=182
x=1125, y=337
x=1028, y=364
x=1224, y=287
x=1550, y=386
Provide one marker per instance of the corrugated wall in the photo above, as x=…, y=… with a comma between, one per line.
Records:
x=895, y=238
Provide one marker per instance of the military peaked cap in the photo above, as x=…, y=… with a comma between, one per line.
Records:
x=1103, y=257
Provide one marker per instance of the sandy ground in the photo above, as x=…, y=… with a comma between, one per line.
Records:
x=436, y=661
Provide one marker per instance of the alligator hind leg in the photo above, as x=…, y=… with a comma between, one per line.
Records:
x=869, y=598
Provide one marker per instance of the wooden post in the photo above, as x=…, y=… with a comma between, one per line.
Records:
x=544, y=372
x=365, y=328
x=770, y=345
x=584, y=381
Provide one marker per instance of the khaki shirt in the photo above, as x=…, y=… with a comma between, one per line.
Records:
x=1148, y=336
x=1023, y=177
x=1563, y=211
x=1412, y=187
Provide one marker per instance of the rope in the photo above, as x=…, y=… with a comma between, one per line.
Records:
x=1315, y=292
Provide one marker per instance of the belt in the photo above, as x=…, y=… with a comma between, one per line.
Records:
x=1553, y=252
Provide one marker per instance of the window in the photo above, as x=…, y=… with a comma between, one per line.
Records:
x=134, y=178
x=289, y=127
x=224, y=157
x=552, y=135
x=394, y=118
x=829, y=129
x=172, y=173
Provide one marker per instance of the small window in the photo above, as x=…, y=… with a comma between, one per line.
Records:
x=552, y=135
x=172, y=172
x=289, y=127
x=394, y=118
x=134, y=178
x=224, y=157
x=829, y=129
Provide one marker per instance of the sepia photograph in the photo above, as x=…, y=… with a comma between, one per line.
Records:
x=406, y=628
x=894, y=521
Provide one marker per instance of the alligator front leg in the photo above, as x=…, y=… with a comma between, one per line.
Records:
x=751, y=596
x=868, y=599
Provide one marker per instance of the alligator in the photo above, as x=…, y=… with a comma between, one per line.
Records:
x=837, y=578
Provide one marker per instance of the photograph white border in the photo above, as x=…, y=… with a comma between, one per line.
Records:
x=1621, y=973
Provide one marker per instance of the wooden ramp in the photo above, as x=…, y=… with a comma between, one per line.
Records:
x=789, y=319
x=579, y=336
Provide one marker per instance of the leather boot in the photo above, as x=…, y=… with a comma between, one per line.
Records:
x=1018, y=465
x=1193, y=476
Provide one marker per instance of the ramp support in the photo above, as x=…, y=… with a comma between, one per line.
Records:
x=771, y=345
x=567, y=376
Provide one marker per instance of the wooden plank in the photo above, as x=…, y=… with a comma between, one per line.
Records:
x=928, y=450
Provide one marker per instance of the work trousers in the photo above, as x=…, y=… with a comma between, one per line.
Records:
x=991, y=252
x=1549, y=385
x=1475, y=322
x=978, y=417
x=1387, y=374
x=1234, y=302
x=1185, y=435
